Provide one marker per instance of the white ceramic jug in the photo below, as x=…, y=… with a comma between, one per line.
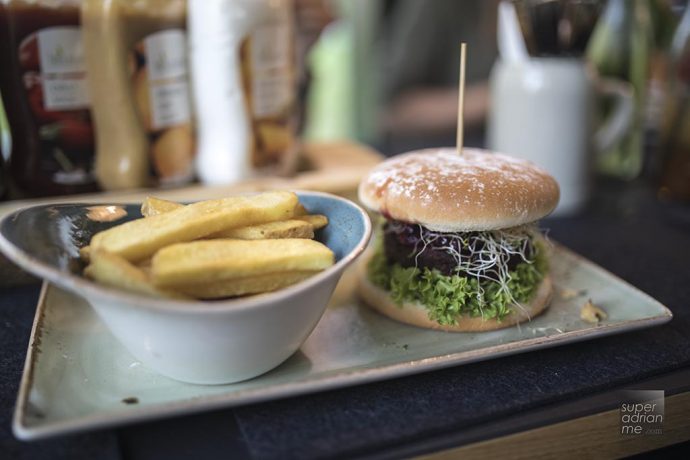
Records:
x=542, y=109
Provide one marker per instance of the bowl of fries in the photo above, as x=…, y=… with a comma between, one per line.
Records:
x=211, y=292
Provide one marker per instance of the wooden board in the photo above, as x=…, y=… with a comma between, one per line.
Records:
x=594, y=436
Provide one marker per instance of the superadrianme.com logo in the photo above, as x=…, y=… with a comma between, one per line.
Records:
x=642, y=412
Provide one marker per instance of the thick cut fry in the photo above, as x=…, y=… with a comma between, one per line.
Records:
x=141, y=238
x=114, y=271
x=145, y=266
x=300, y=210
x=272, y=230
x=85, y=254
x=243, y=286
x=317, y=221
x=153, y=206
x=216, y=260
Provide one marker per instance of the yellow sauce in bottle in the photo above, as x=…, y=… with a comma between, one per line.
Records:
x=138, y=75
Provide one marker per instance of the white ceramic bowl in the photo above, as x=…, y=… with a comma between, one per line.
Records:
x=198, y=342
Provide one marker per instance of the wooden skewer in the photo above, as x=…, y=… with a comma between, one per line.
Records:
x=461, y=98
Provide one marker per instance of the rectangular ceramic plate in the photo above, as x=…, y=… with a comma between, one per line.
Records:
x=78, y=377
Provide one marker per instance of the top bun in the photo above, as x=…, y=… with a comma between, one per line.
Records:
x=448, y=192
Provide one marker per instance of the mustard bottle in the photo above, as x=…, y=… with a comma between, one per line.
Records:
x=136, y=56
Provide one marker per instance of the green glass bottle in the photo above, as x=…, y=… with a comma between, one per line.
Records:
x=4, y=150
x=620, y=48
x=675, y=174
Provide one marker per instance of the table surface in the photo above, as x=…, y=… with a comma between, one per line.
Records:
x=626, y=230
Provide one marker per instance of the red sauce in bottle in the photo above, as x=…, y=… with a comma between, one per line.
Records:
x=43, y=86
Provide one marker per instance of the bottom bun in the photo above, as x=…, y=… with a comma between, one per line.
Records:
x=416, y=314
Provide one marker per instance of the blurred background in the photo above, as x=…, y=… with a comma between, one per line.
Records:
x=589, y=89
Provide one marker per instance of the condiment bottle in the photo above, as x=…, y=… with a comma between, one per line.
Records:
x=2, y=179
x=4, y=148
x=675, y=174
x=620, y=48
x=243, y=63
x=136, y=53
x=44, y=88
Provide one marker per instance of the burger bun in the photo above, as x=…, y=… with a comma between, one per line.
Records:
x=448, y=192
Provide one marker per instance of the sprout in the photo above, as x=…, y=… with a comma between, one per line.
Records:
x=484, y=255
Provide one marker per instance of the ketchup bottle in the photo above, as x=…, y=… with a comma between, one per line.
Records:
x=44, y=88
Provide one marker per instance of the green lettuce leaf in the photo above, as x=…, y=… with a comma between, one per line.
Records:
x=447, y=297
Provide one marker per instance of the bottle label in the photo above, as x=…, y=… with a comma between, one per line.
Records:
x=161, y=94
x=169, y=104
x=54, y=78
x=167, y=73
x=269, y=74
x=61, y=57
x=271, y=70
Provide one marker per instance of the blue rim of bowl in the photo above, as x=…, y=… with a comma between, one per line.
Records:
x=77, y=284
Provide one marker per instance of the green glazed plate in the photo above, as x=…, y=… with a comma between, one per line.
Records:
x=77, y=377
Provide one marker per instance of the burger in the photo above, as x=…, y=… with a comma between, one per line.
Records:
x=459, y=248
